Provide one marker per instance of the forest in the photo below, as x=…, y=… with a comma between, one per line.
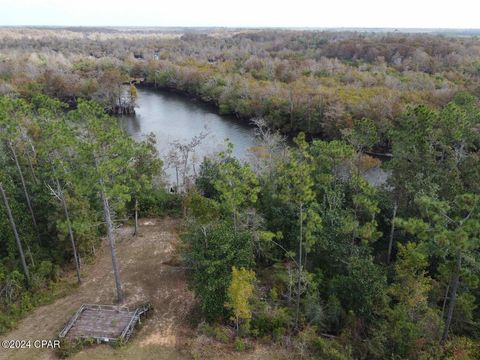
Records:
x=292, y=247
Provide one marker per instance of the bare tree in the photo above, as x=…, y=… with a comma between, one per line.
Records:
x=111, y=241
x=24, y=187
x=107, y=215
x=135, y=232
x=270, y=146
x=392, y=232
x=60, y=195
x=173, y=160
x=181, y=155
x=15, y=233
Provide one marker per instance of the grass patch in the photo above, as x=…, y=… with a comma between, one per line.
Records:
x=28, y=301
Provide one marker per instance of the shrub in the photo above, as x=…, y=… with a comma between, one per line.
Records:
x=214, y=331
x=310, y=344
x=462, y=348
x=239, y=345
x=268, y=322
x=159, y=202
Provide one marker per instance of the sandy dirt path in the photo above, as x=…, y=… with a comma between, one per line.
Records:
x=148, y=272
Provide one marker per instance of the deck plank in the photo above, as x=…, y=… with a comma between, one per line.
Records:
x=101, y=322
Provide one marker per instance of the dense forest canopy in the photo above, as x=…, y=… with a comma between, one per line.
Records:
x=293, y=246
x=311, y=81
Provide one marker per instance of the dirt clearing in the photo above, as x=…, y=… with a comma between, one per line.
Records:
x=150, y=272
x=147, y=276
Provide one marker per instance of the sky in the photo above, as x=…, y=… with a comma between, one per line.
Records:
x=462, y=14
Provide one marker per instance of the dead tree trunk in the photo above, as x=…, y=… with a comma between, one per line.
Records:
x=30, y=255
x=176, y=174
x=136, y=218
x=300, y=269
x=453, y=298
x=70, y=231
x=111, y=238
x=32, y=170
x=15, y=233
x=445, y=297
x=392, y=231
x=111, y=241
x=27, y=197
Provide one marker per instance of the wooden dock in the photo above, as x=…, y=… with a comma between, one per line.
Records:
x=103, y=323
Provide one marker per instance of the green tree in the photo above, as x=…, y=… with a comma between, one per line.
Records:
x=452, y=231
x=15, y=232
x=236, y=185
x=295, y=186
x=108, y=153
x=12, y=114
x=362, y=136
x=433, y=152
x=212, y=251
x=413, y=325
x=57, y=146
x=239, y=294
x=147, y=165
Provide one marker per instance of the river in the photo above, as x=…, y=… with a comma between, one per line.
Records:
x=170, y=117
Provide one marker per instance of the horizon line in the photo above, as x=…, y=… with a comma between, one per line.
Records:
x=243, y=27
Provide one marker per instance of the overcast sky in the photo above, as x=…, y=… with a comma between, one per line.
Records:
x=244, y=13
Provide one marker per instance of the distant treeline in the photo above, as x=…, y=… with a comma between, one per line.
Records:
x=311, y=81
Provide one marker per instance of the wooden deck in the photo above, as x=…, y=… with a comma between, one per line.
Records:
x=104, y=323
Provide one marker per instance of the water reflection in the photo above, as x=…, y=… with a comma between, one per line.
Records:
x=174, y=117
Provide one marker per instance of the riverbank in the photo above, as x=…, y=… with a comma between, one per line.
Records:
x=174, y=117
x=381, y=151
